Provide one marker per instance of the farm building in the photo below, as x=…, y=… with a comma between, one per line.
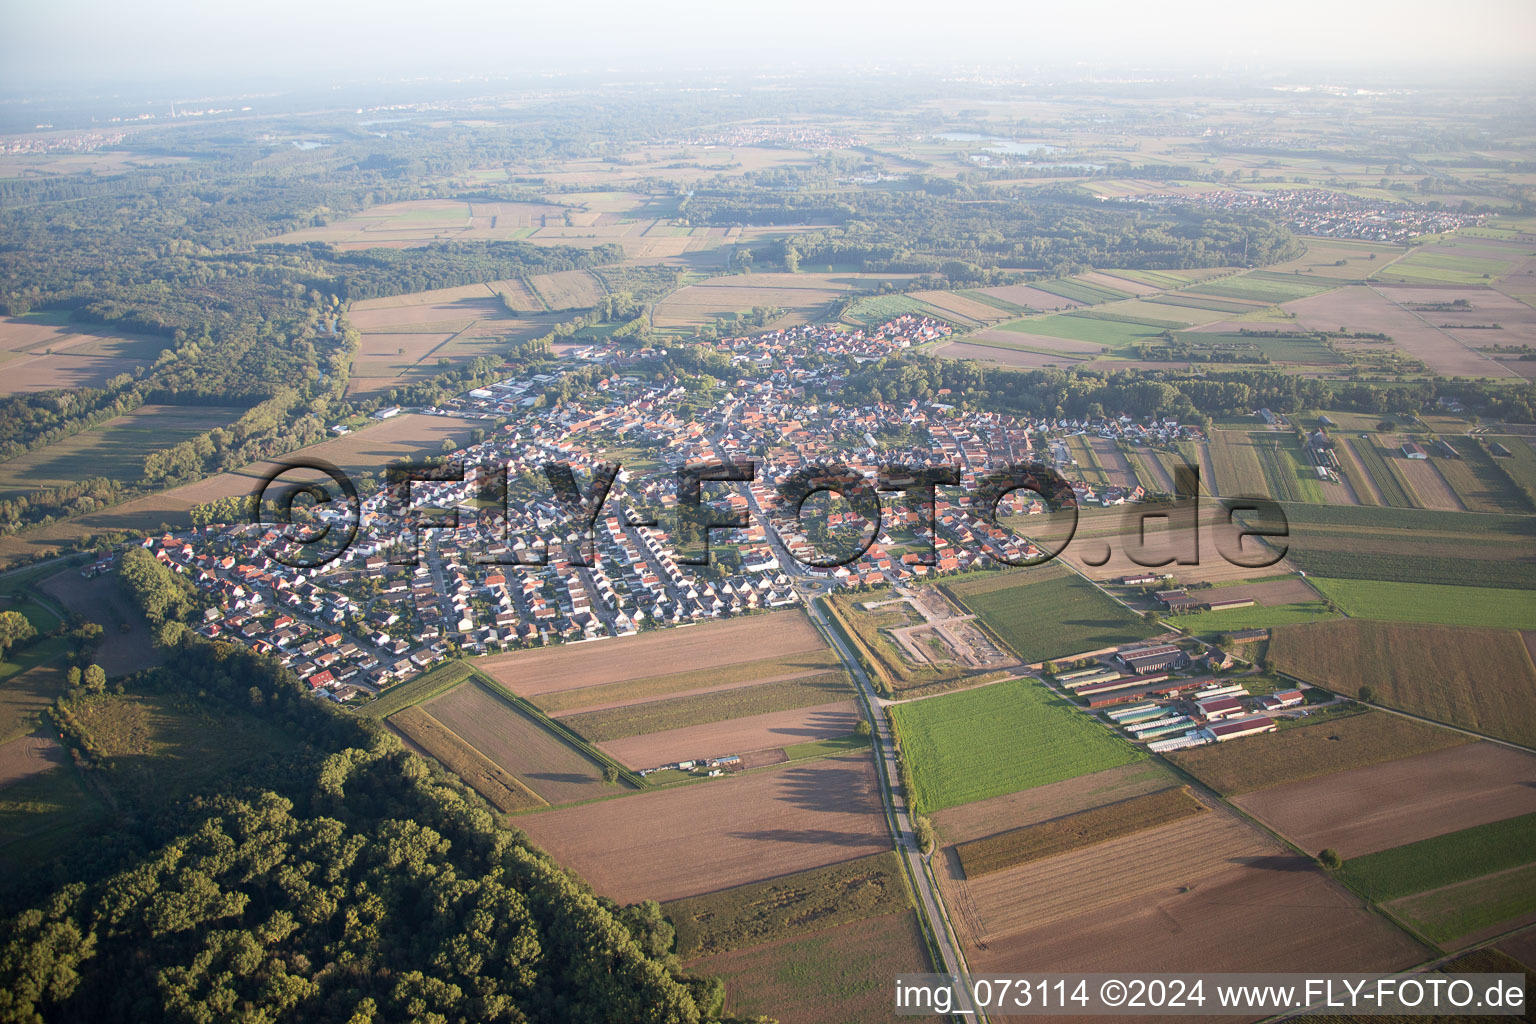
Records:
x=1217, y=709
x=1155, y=658
x=1140, y=580
x=1166, y=688
x=1326, y=421
x=1217, y=606
x=1281, y=699
x=1248, y=636
x=1223, y=731
x=1411, y=450
x=1500, y=450
x=1445, y=450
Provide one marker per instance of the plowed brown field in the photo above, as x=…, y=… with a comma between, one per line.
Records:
x=736, y=735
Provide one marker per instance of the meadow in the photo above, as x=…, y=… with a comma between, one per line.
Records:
x=1076, y=831
x=1454, y=911
x=1480, y=679
x=1053, y=617
x=1438, y=603
x=1109, y=333
x=998, y=739
x=1318, y=748
x=1262, y=286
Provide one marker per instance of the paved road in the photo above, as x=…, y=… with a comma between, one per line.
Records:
x=901, y=819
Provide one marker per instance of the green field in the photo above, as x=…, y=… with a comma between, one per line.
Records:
x=1456, y=910
x=1479, y=679
x=1287, y=348
x=403, y=695
x=1200, y=302
x=1444, y=860
x=43, y=817
x=1320, y=747
x=1444, y=265
x=998, y=739
x=1255, y=617
x=879, y=309
x=704, y=708
x=1287, y=474
x=1081, y=291
x=1260, y=286
x=1109, y=333
x=1003, y=305
x=1431, y=602
x=1052, y=618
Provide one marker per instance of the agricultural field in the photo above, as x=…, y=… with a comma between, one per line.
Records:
x=499, y=786
x=679, y=684
x=1028, y=297
x=39, y=354
x=46, y=814
x=833, y=975
x=1340, y=258
x=706, y=708
x=711, y=645
x=1464, y=912
x=1319, y=748
x=1079, y=290
x=1476, y=678
x=1076, y=831
x=1254, y=617
x=695, y=839
x=879, y=309
x=1111, y=334
x=1101, y=547
x=1451, y=261
x=1403, y=800
x=114, y=449
x=1431, y=602
x=762, y=738
x=996, y=739
x=1264, y=286
x=1050, y=618
x=551, y=767
x=972, y=306
x=1364, y=309
x=126, y=642
x=1164, y=898
x=749, y=915
x=1479, y=483
x=804, y=297
x=1003, y=354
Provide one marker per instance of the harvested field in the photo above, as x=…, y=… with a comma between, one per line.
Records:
x=749, y=915
x=1012, y=337
x=1306, y=752
x=706, y=708
x=1031, y=298
x=1118, y=283
x=1275, y=592
x=1042, y=803
x=682, y=684
x=1358, y=308
x=1428, y=485
x=1470, y=324
x=831, y=976
x=125, y=645
x=1115, y=465
x=556, y=771
x=771, y=823
x=1480, y=679
x=568, y=289
x=39, y=356
x=711, y=645
x=499, y=787
x=1004, y=355
x=961, y=305
x=804, y=297
x=30, y=755
x=1076, y=831
x=1400, y=801
x=766, y=731
x=1307, y=923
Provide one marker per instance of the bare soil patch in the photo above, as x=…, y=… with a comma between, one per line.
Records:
x=720, y=833
x=1361, y=308
x=753, y=637
x=1384, y=805
x=125, y=641
x=27, y=756
x=1032, y=806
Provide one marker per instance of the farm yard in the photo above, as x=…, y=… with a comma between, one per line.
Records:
x=757, y=824
x=996, y=739
x=1362, y=810
x=1322, y=747
x=1478, y=679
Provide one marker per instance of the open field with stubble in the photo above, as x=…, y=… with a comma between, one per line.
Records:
x=706, y=708
x=1319, y=748
x=711, y=645
x=499, y=786
x=766, y=731
x=690, y=840
x=1362, y=810
x=546, y=764
x=558, y=703
x=997, y=739
x=37, y=355
x=1480, y=679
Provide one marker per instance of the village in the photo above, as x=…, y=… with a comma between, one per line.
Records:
x=358, y=625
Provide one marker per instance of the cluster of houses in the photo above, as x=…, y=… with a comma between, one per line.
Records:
x=1326, y=213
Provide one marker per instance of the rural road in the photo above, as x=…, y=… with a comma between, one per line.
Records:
x=896, y=806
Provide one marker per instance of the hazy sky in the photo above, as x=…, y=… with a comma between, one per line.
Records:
x=45, y=43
